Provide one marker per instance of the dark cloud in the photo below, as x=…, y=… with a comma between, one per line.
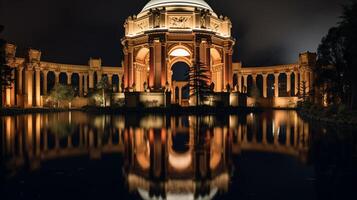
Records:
x=267, y=31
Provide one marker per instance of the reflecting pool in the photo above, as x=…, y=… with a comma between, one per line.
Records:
x=269, y=155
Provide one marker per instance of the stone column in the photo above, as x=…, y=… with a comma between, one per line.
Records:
x=296, y=83
x=91, y=80
x=245, y=85
x=80, y=86
x=110, y=80
x=19, y=80
x=288, y=83
x=276, y=85
x=57, y=77
x=254, y=77
x=38, y=88
x=12, y=90
x=85, y=83
x=265, y=85
x=99, y=76
x=29, y=87
x=239, y=83
x=69, y=78
x=45, y=73
x=307, y=81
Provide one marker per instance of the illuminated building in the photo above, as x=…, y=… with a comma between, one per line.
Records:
x=164, y=33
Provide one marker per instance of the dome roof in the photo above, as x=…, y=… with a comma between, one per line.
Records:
x=166, y=3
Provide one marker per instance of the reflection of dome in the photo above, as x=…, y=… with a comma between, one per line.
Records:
x=178, y=196
x=167, y=3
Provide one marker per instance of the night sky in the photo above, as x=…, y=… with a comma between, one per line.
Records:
x=267, y=31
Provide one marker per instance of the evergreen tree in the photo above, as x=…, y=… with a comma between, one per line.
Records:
x=6, y=78
x=198, y=77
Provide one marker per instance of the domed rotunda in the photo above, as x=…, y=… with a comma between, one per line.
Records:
x=166, y=32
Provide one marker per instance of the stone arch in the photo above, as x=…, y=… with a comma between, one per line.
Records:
x=282, y=85
x=63, y=78
x=51, y=80
x=270, y=84
x=217, y=69
x=179, y=46
x=141, y=67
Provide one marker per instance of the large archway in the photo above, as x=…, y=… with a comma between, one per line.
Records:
x=141, y=68
x=179, y=77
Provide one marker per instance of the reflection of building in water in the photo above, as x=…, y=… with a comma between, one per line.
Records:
x=174, y=162
x=154, y=142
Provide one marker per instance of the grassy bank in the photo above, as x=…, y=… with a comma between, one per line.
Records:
x=336, y=114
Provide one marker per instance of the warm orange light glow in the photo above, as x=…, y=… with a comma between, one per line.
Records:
x=180, y=53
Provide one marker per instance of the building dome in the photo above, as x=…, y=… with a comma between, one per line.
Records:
x=173, y=3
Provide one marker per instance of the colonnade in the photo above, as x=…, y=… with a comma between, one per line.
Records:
x=31, y=77
x=303, y=79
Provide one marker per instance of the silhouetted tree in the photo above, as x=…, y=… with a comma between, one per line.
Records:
x=105, y=87
x=61, y=93
x=198, y=77
x=6, y=77
x=337, y=59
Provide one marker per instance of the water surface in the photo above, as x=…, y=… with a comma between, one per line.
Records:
x=270, y=155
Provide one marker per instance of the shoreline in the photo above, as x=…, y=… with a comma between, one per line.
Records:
x=125, y=110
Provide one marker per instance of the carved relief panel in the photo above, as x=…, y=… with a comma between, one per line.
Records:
x=180, y=22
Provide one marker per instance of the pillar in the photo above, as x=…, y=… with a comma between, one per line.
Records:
x=38, y=88
x=19, y=80
x=156, y=65
x=288, y=83
x=12, y=89
x=85, y=76
x=91, y=79
x=99, y=76
x=254, y=77
x=307, y=81
x=265, y=85
x=69, y=78
x=296, y=83
x=29, y=87
x=80, y=86
x=45, y=82
x=110, y=80
x=239, y=82
x=276, y=85
x=245, y=85
x=57, y=77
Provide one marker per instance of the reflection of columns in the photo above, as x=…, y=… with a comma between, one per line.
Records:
x=80, y=87
x=45, y=82
x=239, y=82
x=288, y=133
x=296, y=83
x=288, y=83
x=265, y=83
x=85, y=84
x=69, y=78
x=245, y=85
x=276, y=85
x=38, y=87
x=265, y=139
